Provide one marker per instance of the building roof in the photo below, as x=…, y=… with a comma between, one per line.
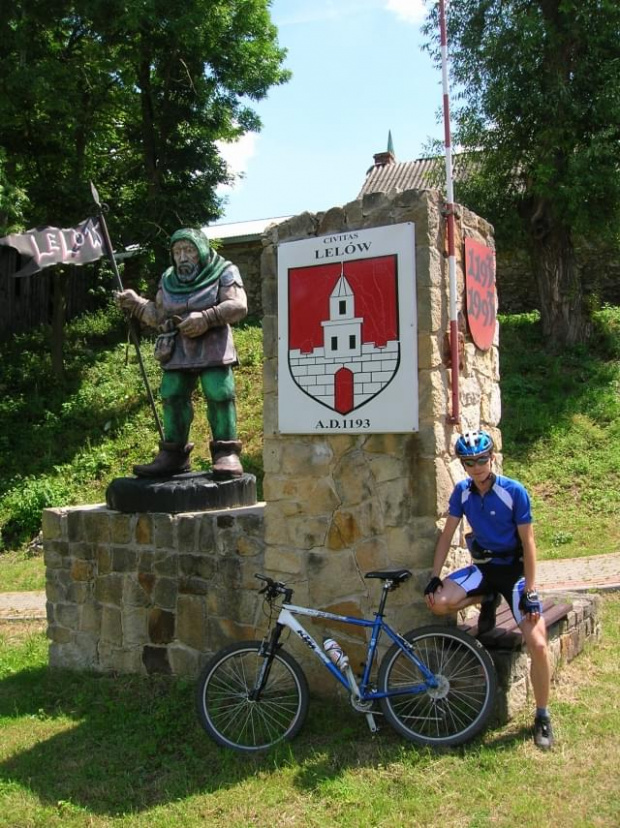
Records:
x=241, y=231
x=421, y=174
x=386, y=174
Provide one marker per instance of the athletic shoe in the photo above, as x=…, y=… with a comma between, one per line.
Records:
x=488, y=610
x=543, y=733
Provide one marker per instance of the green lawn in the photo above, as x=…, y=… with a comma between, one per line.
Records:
x=82, y=750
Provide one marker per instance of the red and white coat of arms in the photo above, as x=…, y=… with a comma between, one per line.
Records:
x=341, y=338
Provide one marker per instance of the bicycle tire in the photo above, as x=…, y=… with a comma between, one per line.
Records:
x=226, y=711
x=460, y=707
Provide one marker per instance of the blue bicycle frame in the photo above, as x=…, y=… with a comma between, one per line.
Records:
x=287, y=618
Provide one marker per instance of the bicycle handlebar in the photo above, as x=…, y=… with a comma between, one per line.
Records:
x=273, y=588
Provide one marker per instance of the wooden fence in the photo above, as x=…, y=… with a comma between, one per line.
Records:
x=26, y=302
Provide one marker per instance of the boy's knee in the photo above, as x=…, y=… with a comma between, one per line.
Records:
x=441, y=606
x=537, y=644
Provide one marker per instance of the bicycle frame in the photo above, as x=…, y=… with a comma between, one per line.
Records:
x=287, y=618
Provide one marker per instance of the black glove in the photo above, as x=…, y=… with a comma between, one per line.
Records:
x=433, y=585
x=530, y=602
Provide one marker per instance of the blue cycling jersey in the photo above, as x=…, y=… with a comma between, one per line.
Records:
x=493, y=516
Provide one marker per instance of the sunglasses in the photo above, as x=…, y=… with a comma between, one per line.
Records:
x=479, y=461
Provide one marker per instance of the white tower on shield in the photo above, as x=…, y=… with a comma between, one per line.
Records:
x=342, y=332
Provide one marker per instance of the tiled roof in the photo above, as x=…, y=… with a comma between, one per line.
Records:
x=241, y=230
x=422, y=174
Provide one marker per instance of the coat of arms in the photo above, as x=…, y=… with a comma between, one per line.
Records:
x=343, y=330
x=347, y=332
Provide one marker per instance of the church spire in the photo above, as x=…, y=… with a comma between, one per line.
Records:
x=383, y=159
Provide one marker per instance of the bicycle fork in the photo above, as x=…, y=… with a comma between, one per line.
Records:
x=268, y=650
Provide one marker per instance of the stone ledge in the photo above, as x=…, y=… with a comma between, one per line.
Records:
x=572, y=621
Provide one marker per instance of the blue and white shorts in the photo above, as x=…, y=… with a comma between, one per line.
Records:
x=482, y=580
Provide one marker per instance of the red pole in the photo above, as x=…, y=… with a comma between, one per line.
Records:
x=454, y=333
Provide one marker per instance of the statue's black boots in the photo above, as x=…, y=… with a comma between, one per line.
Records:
x=173, y=458
x=225, y=456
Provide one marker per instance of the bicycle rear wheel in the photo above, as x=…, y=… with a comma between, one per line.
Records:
x=231, y=717
x=455, y=711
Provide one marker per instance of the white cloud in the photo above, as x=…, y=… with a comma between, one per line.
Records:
x=410, y=11
x=237, y=154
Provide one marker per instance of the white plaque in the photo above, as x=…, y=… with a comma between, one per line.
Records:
x=347, y=333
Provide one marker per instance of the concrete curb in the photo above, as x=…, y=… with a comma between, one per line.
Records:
x=600, y=573
x=22, y=606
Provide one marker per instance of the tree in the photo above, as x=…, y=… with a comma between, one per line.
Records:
x=132, y=94
x=539, y=103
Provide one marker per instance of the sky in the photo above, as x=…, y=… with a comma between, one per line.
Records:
x=359, y=72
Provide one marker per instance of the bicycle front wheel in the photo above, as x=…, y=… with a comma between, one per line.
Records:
x=459, y=707
x=232, y=717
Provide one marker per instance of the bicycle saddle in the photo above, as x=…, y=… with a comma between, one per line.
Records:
x=397, y=575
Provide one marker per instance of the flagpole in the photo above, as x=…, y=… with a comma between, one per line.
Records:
x=132, y=334
x=454, y=331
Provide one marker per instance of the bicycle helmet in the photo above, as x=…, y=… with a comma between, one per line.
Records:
x=473, y=444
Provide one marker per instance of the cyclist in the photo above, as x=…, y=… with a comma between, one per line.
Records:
x=503, y=553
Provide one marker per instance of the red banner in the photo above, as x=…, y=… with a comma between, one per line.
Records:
x=481, y=292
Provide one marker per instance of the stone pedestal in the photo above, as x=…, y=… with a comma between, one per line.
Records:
x=150, y=592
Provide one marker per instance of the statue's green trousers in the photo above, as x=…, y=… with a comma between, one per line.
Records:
x=218, y=387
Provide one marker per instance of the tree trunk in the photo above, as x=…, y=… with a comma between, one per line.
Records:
x=59, y=305
x=564, y=316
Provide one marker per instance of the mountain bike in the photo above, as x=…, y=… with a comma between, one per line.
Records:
x=435, y=685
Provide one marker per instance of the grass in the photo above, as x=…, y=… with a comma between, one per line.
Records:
x=62, y=442
x=83, y=750
x=561, y=432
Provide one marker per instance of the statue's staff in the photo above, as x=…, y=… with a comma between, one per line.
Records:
x=132, y=333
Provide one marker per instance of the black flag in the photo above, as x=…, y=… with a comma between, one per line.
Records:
x=46, y=246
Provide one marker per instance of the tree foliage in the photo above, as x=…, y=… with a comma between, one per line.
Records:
x=132, y=94
x=538, y=86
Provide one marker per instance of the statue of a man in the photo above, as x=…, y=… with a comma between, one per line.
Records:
x=198, y=298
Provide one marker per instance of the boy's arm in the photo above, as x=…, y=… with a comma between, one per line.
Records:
x=443, y=544
x=441, y=553
x=526, y=534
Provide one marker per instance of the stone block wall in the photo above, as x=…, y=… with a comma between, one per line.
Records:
x=158, y=593
x=340, y=505
x=149, y=593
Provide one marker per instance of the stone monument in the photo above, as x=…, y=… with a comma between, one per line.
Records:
x=160, y=591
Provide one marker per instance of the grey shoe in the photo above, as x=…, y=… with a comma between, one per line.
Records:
x=543, y=733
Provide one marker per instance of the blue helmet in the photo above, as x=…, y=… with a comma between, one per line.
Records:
x=473, y=444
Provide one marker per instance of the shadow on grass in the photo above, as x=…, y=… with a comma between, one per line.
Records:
x=129, y=743
x=122, y=744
